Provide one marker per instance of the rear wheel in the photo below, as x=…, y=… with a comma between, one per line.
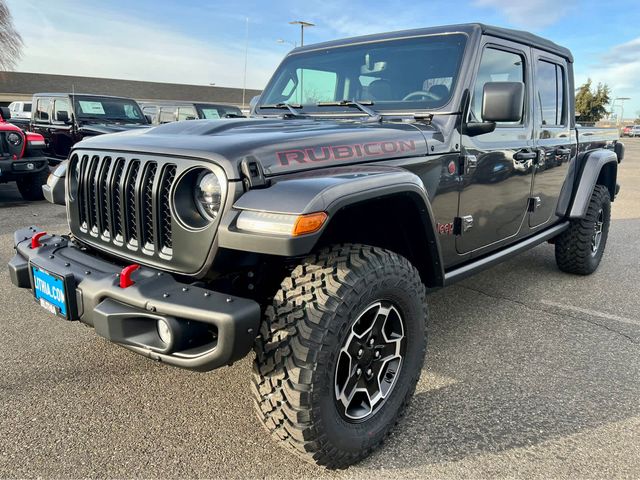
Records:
x=30, y=186
x=340, y=352
x=579, y=249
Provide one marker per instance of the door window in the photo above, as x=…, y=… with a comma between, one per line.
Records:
x=186, y=113
x=61, y=105
x=496, y=66
x=167, y=115
x=550, y=93
x=42, y=110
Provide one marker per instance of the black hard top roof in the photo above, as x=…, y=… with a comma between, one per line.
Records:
x=505, y=33
x=78, y=94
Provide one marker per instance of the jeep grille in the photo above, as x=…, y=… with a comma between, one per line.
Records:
x=119, y=199
x=122, y=204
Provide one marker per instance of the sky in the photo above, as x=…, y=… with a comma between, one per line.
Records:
x=204, y=42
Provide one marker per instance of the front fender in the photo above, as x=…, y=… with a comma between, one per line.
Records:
x=599, y=167
x=327, y=190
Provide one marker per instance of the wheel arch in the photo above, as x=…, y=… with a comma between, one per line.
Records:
x=599, y=167
x=369, y=204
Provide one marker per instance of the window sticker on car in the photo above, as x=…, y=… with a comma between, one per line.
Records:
x=210, y=113
x=91, y=107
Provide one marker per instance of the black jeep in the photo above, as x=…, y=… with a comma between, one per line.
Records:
x=379, y=168
x=64, y=119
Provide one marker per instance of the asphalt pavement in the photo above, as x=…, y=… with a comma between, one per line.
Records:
x=530, y=373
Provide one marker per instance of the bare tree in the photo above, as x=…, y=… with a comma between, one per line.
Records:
x=10, y=40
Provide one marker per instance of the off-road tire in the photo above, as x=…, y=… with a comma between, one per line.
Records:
x=301, y=335
x=30, y=186
x=574, y=246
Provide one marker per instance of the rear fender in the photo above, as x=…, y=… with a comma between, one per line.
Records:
x=599, y=167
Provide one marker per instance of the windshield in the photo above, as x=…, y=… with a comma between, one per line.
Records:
x=216, y=111
x=406, y=74
x=108, y=109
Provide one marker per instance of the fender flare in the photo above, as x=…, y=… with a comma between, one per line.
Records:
x=593, y=164
x=329, y=191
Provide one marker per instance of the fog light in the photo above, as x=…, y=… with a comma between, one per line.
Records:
x=164, y=331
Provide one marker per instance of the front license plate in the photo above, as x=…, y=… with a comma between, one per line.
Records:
x=49, y=290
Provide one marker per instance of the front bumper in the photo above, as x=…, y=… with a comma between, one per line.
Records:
x=210, y=329
x=10, y=169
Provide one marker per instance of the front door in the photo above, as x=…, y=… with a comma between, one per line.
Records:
x=554, y=138
x=61, y=129
x=495, y=190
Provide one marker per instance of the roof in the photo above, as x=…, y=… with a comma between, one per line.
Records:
x=506, y=33
x=77, y=94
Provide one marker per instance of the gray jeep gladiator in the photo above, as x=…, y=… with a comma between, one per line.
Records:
x=375, y=169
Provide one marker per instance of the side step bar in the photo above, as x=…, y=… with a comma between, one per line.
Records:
x=483, y=263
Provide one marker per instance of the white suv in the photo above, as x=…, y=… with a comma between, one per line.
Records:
x=20, y=109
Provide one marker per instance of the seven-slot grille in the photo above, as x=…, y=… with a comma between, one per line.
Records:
x=125, y=201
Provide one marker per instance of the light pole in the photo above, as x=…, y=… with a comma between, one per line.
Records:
x=246, y=54
x=622, y=99
x=302, y=25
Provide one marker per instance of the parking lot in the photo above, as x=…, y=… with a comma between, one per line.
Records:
x=530, y=372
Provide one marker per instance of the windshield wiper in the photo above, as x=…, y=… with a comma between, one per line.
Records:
x=362, y=106
x=284, y=106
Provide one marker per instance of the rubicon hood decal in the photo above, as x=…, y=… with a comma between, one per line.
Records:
x=358, y=151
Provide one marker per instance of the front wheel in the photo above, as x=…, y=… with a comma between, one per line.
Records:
x=340, y=352
x=30, y=186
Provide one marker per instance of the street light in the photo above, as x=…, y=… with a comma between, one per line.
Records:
x=302, y=25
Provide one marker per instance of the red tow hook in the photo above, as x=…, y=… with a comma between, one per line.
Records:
x=125, y=275
x=35, y=240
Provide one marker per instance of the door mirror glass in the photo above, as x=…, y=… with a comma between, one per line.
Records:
x=62, y=116
x=503, y=101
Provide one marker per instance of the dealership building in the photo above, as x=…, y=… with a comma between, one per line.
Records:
x=20, y=86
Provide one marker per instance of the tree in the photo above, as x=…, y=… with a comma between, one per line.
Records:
x=590, y=103
x=10, y=40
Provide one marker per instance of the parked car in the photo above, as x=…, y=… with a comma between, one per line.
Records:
x=635, y=131
x=312, y=233
x=626, y=130
x=20, y=109
x=159, y=113
x=21, y=158
x=66, y=118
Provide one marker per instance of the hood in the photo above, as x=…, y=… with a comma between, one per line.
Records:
x=106, y=128
x=280, y=146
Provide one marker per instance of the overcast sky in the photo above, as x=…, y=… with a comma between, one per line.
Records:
x=202, y=42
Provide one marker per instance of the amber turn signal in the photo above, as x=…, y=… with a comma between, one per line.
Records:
x=309, y=223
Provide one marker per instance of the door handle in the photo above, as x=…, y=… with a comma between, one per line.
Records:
x=563, y=151
x=523, y=155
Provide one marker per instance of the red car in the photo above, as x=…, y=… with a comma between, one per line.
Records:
x=21, y=158
x=626, y=131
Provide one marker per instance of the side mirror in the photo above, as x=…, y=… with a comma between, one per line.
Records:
x=62, y=116
x=503, y=101
x=190, y=117
x=149, y=119
x=6, y=113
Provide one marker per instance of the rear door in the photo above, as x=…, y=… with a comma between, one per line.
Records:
x=495, y=191
x=555, y=140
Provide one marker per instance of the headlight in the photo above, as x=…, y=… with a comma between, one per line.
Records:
x=198, y=197
x=208, y=195
x=14, y=139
